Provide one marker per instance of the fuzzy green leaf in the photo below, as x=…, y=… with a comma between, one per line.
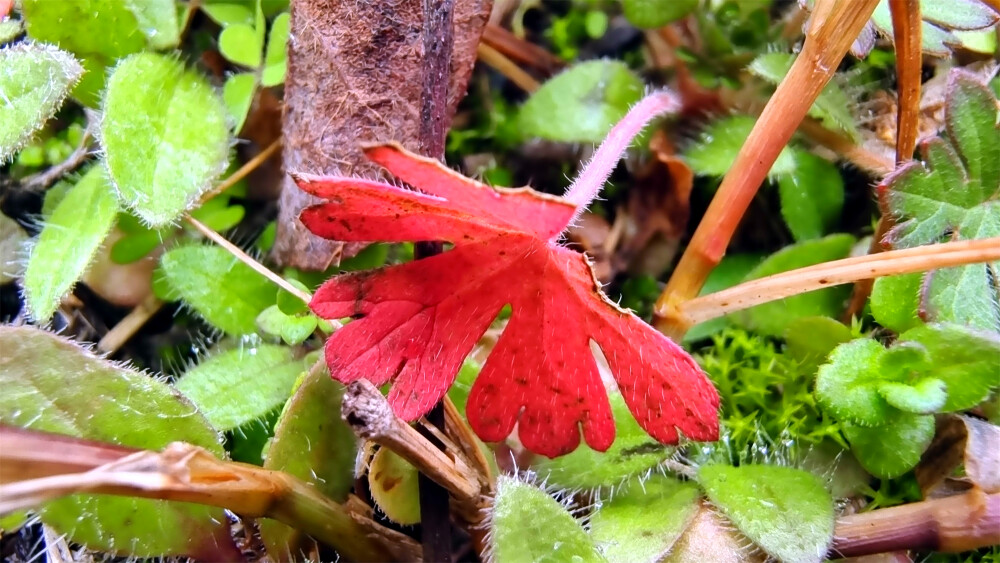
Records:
x=582, y=103
x=812, y=196
x=786, y=511
x=773, y=318
x=12, y=239
x=527, y=525
x=893, y=448
x=68, y=242
x=239, y=44
x=394, y=485
x=717, y=146
x=926, y=396
x=895, y=301
x=159, y=158
x=651, y=14
x=34, y=80
x=223, y=290
x=312, y=443
x=53, y=385
x=633, y=453
x=965, y=359
x=241, y=385
x=274, y=59
x=643, y=522
x=848, y=385
x=832, y=106
x=108, y=29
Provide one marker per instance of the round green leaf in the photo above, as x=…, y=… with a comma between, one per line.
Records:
x=528, y=525
x=717, y=146
x=226, y=14
x=892, y=449
x=582, y=103
x=394, y=485
x=238, y=92
x=159, y=156
x=53, y=385
x=34, y=80
x=68, y=242
x=786, y=511
x=223, y=290
x=238, y=43
x=241, y=385
x=809, y=339
x=651, y=14
x=848, y=385
x=812, y=196
x=895, y=301
x=105, y=28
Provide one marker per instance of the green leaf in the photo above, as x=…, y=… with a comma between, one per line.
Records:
x=223, y=290
x=238, y=93
x=895, y=301
x=633, y=453
x=106, y=28
x=643, y=522
x=848, y=385
x=293, y=329
x=52, y=385
x=12, y=240
x=965, y=359
x=786, y=511
x=889, y=450
x=773, y=318
x=938, y=19
x=239, y=44
x=274, y=58
x=394, y=486
x=291, y=304
x=159, y=158
x=10, y=29
x=241, y=385
x=34, y=80
x=312, y=443
x=651, y=14
x=717, y=146
x=226, y=14
x=926, y=396
x=68, y=242
x=812, y=196
x=528, y=525
x=811, y=339
x=582, y=103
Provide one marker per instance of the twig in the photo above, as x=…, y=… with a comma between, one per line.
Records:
x=246, y=259
x=130, y=324
x=499, y=62
x=244, y=171
x=838, y=272
x=43, y=180
x=521, y=51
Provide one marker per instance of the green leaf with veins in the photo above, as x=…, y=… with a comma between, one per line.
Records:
x=965, y=359
x=893, y=448
x=848, y=385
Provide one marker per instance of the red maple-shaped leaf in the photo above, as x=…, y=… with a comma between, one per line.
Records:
x=416, y=322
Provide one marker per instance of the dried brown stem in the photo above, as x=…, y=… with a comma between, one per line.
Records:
x=848, y=270
x=521, y=51
x=499, y=62
x=834, y=25
x=244, y=171
x=869, y=161
x=953, y=524
x=129, y=325
x=43, y=180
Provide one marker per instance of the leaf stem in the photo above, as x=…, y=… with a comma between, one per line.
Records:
x=246, y=259
x=591, y=179
x=242, y=172
x=848, y=270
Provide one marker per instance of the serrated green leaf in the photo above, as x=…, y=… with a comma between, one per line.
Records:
x=238, y=93
x=220, y=288
x=717, y=146
x=68, y=242
x=159, y=158
x=786, y=511
x=239, y=44
x=889, y=450
x=965, y=359
x=241, y=385
x=812, y=196
x=53, y=385
x=651, y=14
x=926, y=396
x=633, y=453
x=312, y=443
x=832, y=106
x=34, y=80
x=895, y=301
x=848, y=385
x=643, y=522
x=226, y=14
x=773, y=318
x=274, y=58
x=394, y=485
x=106, y=28
x=581, y=104
x=519, y=512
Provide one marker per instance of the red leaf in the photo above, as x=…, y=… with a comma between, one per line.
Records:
x=416, y=322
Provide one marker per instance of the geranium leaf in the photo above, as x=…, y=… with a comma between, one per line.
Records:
x=53, y=385
x=159, y=159
x=240, y=385
x=848, y=385
x=421, y=319
x=518, y=508
x=786, y=511
x=893, y=448
x=68, y=242
x=34, y=80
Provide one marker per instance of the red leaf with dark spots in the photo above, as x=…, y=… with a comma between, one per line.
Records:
x=416, y=322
